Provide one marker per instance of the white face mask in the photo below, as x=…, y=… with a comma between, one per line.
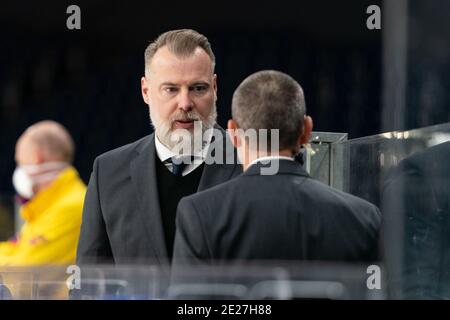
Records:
x=27, y=176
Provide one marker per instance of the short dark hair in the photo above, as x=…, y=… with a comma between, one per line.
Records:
x=182, y=43
x=271, y=100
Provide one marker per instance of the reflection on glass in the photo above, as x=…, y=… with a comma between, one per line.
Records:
x=416, y=197
x=406, y=174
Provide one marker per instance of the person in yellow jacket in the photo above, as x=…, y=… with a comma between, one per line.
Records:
x=52, y=225
x=54, y=196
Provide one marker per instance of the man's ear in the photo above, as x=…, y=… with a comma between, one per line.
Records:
x=232, y=131
x=145, y=90
x=39, y=156
x=306, y=130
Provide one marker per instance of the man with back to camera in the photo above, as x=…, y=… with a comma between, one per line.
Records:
x=282, y=216
x=130, y=206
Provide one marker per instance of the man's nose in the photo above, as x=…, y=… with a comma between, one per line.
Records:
x=184, y=101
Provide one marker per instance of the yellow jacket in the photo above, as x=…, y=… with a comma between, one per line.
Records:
x=51, y=228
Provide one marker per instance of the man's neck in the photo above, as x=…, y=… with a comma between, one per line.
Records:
x=252, y=156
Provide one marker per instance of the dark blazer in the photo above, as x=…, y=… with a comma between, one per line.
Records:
x=121, y=216
x=286, y=216
x=416, y=225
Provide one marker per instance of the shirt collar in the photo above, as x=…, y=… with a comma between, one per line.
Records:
x=268, y=158
x=165, y=153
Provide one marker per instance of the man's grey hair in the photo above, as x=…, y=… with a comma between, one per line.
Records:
x=182, y=43
x=271, y=100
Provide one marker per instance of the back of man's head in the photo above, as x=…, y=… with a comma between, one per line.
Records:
x=182, y=43
x=51, y=139
x=271, y=100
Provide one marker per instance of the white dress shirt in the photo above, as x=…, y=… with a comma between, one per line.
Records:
x=165, y=153
x=268, y=158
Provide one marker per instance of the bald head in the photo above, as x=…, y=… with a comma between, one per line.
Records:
x=45, y=141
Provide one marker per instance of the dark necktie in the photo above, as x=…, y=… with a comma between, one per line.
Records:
x=177, y=166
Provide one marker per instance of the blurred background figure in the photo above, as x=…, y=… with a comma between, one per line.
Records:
x=52, y=195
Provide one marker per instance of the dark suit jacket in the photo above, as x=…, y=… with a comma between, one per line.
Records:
x=287, y=216
x=121, y=216
x=416, y=225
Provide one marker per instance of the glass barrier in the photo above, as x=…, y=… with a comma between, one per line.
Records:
x=366, y=161
x=320, y=153
x=256, y=280
x=406, y=174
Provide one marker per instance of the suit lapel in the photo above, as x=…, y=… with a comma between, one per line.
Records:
x=143, y=175
x=213, y=173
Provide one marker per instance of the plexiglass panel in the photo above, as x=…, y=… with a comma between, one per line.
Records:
x=256, y=280
x=320, y=154
x=407, y=175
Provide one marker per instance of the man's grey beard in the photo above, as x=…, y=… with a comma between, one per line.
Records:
x=183, y=141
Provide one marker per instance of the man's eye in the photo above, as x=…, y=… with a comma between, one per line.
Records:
x=170, y=89
x=199, y=88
